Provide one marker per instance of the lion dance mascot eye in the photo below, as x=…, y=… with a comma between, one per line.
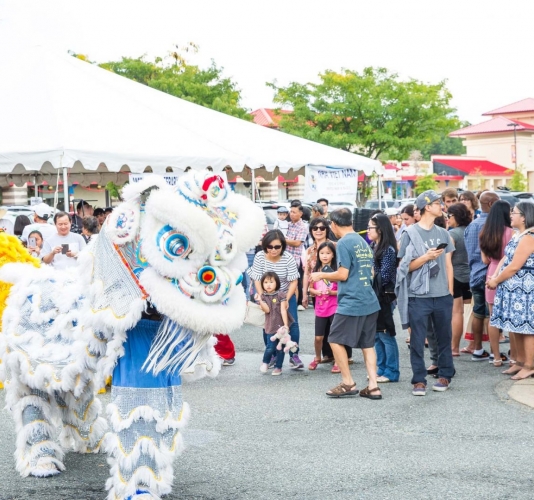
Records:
x=142, y=305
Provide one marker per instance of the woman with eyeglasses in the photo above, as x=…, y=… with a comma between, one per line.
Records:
x=469, y=199
x=319, y=229
x=384, y=245
x=274, y=258
x=493, y=238
x=513, y=307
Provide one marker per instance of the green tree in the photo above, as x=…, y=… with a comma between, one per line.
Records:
x=425, y=182
x=174, y=75
x=443, y=146
x=518, y=182
x=373, y=113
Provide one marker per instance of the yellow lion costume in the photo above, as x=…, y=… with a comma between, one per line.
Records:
x=11, y=250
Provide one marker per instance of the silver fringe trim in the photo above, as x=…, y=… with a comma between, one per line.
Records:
x=173, y=348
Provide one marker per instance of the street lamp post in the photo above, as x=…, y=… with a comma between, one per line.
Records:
x=515, y=125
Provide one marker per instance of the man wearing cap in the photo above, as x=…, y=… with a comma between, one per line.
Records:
x=6, y=226
x=282, y=223
x=41, y=213
x=393, y=215
x=424, y=289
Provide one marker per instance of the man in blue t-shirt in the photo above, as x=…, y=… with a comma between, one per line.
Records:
x=354, y=323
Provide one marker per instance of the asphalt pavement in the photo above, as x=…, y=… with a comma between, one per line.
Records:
x=257, y=436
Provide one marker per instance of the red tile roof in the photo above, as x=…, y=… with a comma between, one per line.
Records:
x=516, y=107
x=495, y=125
x=269, y=117
x=472, y=166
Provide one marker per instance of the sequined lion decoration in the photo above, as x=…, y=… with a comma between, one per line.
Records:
x=142, y=305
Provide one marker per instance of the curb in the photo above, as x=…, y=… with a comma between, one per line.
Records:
x=523, y=392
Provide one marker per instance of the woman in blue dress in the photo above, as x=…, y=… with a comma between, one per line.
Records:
x=513, y=309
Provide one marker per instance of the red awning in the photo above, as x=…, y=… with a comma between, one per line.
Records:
x=472, y=166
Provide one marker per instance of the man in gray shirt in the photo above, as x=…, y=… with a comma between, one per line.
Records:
x=429, y=247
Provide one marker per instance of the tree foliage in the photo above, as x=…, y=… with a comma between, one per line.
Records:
x=518, y=182
x=373, y=113
x=443, y=146
x=425, y=182
x=172, y=74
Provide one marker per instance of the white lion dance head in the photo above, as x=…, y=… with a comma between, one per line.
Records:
x=183, y=247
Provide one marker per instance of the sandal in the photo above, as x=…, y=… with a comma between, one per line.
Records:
x=327, y=360
x=497, y=363
x=342, y=390
x=368, y=393
x=335, y=369
x=515, y=368
x=529, y=370
x=313, y=364
x=466, y=350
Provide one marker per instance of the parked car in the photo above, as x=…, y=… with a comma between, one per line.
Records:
x=522, y=195
x=373, y=204
x=407, y=201
x=14, y=210
x=510, y=198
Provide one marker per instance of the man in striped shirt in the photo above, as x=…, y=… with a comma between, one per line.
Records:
x=295, y=238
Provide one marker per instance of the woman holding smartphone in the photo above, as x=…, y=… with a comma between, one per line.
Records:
x=35, y=244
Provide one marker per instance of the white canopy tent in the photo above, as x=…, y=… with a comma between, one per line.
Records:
x=59, y=112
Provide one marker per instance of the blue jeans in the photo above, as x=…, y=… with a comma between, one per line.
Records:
x=294, y=330
x=271, y=351
x=420, y=310
x=387, y=356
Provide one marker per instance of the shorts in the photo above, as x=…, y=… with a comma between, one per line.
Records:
x=354, y=331
x=461, y=290
x=480, y=310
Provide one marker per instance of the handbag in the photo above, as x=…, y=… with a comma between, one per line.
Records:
x=254, y=315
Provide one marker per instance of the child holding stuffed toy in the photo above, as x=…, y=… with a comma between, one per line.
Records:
x=274, y=304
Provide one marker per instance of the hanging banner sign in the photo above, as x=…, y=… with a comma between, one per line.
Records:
x=332, y=183
x=171, y=179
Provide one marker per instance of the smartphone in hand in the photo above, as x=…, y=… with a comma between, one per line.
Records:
x=64, y=248
x=327, y=269
x=32, y=243
x=441, y=246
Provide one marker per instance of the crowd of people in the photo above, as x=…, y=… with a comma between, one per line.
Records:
x=451, y=266
x=59, y=243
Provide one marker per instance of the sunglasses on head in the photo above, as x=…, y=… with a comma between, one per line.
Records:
x=319, y=228
x=274, y=247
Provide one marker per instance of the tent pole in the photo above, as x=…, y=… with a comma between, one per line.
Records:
x=253, y=178
x=65, y=186
x=379, y=194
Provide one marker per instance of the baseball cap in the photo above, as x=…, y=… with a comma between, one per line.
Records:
x=391, y=211
x=427, y=198
x=282, y=210
x=42, y=210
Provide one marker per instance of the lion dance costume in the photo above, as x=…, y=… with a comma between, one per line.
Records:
x=142, y=305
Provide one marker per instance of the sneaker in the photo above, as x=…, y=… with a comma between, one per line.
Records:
x=264, y=367
x=272, y=362
x=441, y=385
x=419, y=389
x=229, y=362
x=301, y=308
x=480, y=357
x=277, y=371
x=296, y=363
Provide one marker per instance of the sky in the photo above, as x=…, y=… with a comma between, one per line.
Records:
x=481, y=48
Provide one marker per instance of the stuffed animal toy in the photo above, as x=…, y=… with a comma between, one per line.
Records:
x=285, y=340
